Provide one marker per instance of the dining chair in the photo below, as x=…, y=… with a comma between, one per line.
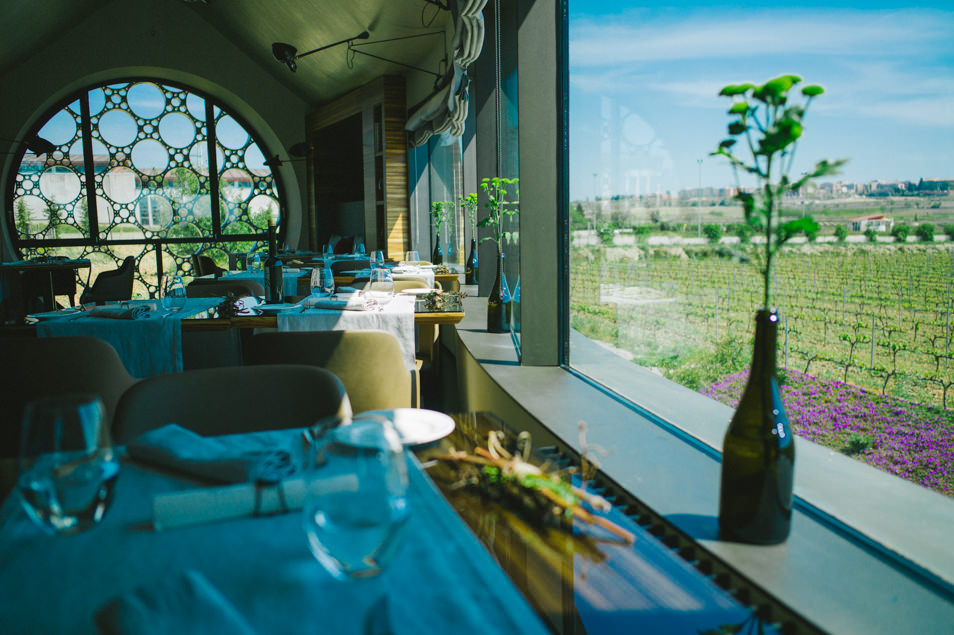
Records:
x=207, y=288
x=34, y=368
x=349, y=265
x=114, y=285
x=369, y=363
x=228, y=400
x=204, y=266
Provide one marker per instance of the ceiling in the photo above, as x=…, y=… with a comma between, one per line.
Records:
x=255, y=24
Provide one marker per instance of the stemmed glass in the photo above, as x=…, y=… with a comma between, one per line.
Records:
x=322, y=281
x=377, y=259
x=356, y=498
x=412, y=257
x=173, y=293
x=381, y=286
x=67, y=465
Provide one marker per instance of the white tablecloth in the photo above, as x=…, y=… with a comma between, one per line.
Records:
x=396, y=317
x=289, y=277
x=148, y=346
x=441, y=581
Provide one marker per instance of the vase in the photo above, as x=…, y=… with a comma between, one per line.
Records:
x=436, y=257
x=470, y=271
x=758, y=456
x=497, y=313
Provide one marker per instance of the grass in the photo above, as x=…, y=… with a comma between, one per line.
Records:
x=903, y=438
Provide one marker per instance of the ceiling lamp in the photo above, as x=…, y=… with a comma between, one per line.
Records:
x=299, y=150
x=288, y=54
x=35, y=144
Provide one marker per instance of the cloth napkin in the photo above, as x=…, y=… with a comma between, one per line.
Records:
x=182, y=604
x=118, y=313
x=227, y=459
x=354, y=303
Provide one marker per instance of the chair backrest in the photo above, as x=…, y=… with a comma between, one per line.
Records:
x=33, y=368
x=204, y=288
x=214, y=401
x=369, y=363
x=402, y=285
x=115, y=285
x=349, y=265
x=204, y=265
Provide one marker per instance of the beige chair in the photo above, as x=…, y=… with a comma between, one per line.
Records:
x=33, y=368
x=208, y=288
x=369, y=363
x=215, y=401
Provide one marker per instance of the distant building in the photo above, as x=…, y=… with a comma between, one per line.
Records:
x=878, y=222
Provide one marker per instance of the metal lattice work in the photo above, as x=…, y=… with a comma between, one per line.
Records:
x=131, y=175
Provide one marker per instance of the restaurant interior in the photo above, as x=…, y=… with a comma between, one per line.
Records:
x=353, y=119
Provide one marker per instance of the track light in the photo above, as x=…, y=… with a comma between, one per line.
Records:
x=288, y=54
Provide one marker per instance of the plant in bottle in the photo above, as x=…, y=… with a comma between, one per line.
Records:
x=758, y=457
x=499, y=208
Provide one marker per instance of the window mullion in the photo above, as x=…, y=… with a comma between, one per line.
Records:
x=92, y=214
x=213, y=169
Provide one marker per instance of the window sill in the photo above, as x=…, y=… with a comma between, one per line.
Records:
x=868, y=552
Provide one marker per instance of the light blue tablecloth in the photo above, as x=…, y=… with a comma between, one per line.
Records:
x=148, y=346
x=289, y=278
x=442, y=580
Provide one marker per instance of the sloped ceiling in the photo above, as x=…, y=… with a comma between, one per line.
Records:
x=26, y=25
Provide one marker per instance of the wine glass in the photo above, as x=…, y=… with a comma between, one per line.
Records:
x=377, y=259
x=358, y=249
x=412, y=257
x=67, y=466
x=381, y=286
x=356, y=498
x=322, y=281
x=173, y=293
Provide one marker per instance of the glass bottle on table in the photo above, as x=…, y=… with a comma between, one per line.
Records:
x=274, y=270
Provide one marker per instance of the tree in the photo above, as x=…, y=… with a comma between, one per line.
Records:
x=744, y=231
x=23, y=217
x=949, y=230
x=712, y=231
x=871, y=235
x=841, y=233
x=901, y=232
x=925, y=232
x=577, y=218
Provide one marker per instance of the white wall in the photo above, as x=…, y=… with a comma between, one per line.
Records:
x=164, y=40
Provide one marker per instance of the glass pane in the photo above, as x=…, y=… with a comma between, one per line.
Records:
x=664, y=267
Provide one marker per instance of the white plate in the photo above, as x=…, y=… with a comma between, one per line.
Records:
x=272, y=309
x=52, y=315
x=414, y=425
x=418, y=291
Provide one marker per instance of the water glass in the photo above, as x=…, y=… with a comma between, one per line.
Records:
x=322, y=281
x=355, y=503
x=377, y=259
x=173, y=293
x=358, y=249
x=412, y=257
x=381, y=286
x=67, y=466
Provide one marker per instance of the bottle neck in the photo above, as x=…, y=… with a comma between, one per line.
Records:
x=766, y=338
x=271, y=240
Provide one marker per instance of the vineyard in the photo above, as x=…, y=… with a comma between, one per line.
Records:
x=876, y=316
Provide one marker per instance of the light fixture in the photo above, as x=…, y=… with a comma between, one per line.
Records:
x=35, y=144
x=288, y=54
x=299, y=150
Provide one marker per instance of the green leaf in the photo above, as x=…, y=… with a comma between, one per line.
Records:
x=737, y=128
x=726, y=143
x=739, y=108
x=805, y=224
x=812, y=91
x=486, y=222
x=784, y=133
x=748, y=204
x=775, y=91
x=735, y=89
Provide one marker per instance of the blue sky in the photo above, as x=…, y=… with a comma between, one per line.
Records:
x=644, y=82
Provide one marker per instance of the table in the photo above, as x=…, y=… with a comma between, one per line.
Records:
x=150, y=345
x=581, y=580
x=49, y=266
x=441, y=581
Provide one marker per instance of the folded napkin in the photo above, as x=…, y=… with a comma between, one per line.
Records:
x=119, y=313
x=182, y=604
x=227, y=459
x=354, y=303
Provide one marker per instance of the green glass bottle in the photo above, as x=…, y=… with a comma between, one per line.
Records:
x=497, y=306
x=758, y=455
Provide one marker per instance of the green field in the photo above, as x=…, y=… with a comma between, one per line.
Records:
x=878, y=316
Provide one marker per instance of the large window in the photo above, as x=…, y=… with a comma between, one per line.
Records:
x=143, y=169
x=659, y=264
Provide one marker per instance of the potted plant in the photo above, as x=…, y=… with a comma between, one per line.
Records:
x=758, y=457
x=500, y=207
x=438, y=213
x=469, y=204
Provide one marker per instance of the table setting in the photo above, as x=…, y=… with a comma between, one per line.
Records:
x=335, y=529
x=147, y=334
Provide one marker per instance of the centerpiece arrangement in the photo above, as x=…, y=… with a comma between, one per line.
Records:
x=758, y=456
x=469, y=205
x=438, y=213
x=500, y=207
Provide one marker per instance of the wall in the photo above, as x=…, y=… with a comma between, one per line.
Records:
x=164, y=40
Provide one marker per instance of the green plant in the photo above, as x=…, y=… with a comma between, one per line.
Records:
x=949, y=230
x=925, y=232
x=744, y=231
x=499, y=207
x=871, y=235
x=712, y=231
x=901, y=232
x=770, y=127
x=469, y=205
x=841, y=233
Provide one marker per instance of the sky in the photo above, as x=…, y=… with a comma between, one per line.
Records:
x=644, y=81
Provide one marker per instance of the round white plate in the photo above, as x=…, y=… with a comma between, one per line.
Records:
x=271, y=309
x=414, y=425
x=52, y=315
x=418, y=291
